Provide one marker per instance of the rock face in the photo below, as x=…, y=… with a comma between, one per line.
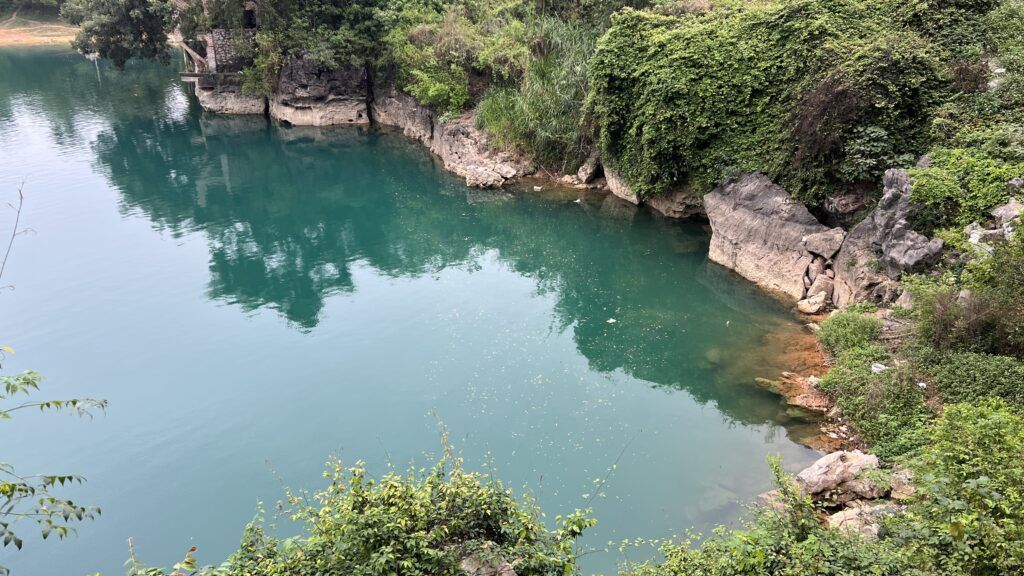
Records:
x=464, y=149
x=882, y=247
x=618, y=186
x=760, y=232
x=683, y=202
x=229, y=99
x=308, y=96
x=590, y=169
x=834, y=469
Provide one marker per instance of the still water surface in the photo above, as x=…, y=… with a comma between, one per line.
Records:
x=253, y=299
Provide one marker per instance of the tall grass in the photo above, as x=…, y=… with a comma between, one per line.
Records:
x=544, y=115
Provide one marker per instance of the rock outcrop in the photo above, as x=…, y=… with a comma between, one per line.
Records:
x=683, y=202
x=618, y=186
x=462, y=147
x=228, y=98
x=309, y=96
x=882, y=247
x=767, y=237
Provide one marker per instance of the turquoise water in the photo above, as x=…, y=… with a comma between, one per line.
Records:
x=252, y=300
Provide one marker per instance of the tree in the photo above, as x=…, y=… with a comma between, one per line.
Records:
x=122, y=29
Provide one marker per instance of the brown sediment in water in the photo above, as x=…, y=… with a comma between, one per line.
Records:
x=793, y=352
x=19, y=31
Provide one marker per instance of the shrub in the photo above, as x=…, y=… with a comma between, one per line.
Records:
x=989, y=318
x=544, y=115
x=970, y=518
x=787, y=541
x=960, y=186
x=887, y=409
x=848, y=329
x=812, y=93
x=967, y=376
x=419, y=524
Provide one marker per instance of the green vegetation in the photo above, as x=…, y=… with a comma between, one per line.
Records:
x=847, y=330
x=423, y=523
x=821, y=95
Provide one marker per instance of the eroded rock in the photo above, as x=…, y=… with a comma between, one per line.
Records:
x=309, y=96
x=618, y=185
x=863, y=519
x=825, y=244
x=831, y=470
x=759, y=231
x=462, y=147
x=882, y=247
x=683, y=202
x=590, y=169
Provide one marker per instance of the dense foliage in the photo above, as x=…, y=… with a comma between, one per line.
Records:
x=422, y=523
x=121, y=29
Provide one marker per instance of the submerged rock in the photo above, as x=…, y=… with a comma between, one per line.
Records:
x=759, y=231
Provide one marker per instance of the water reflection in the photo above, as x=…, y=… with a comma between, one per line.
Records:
x=288, y=212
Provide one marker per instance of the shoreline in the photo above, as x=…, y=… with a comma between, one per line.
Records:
x=25, y=32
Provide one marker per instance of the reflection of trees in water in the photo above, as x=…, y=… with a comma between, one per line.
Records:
x=287, y=212
x=67, y=89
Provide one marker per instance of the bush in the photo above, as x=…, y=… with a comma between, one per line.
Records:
x=544, y=115
x=813, y=93
x=789, y=541
x=966, y=377
x=988, y=318
x=848, y=329
x=887, y=409
x=970, y=517
x=960, y=186
x=419, y=524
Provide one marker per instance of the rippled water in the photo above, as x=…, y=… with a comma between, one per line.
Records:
x=252, y=300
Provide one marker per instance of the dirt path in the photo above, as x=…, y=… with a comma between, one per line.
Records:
x=15, y=31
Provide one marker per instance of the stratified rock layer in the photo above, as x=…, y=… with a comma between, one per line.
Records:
x=464, y=149
x=760, y=232
x=309, y=96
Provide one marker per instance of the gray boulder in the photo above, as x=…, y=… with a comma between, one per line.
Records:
x=618, y=186
x=759, y=231
x=826, y=243
x=882, y=247
x=590, y=169
x=309, y=96
x=831, y=470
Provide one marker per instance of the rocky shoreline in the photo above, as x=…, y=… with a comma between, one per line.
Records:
x=757, y=229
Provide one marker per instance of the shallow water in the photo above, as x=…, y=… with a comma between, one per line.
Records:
x=253, y=299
